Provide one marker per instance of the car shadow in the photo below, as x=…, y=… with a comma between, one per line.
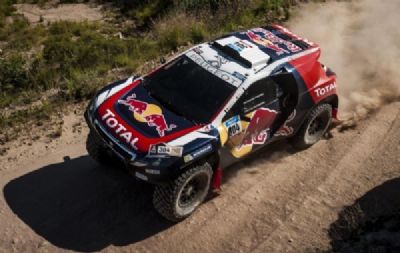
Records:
x=78, y=205
x=81, y=206
x=371, y=223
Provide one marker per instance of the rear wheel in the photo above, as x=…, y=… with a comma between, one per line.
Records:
x=180, y=198
x=314, y=127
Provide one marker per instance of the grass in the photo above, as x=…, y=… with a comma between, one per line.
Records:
x=38, y=114
x=75, y=58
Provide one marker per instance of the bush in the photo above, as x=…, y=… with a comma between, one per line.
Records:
x=72, y=28
x=6, y=9
x=81, y=85
x=199, y=33
x=20, y=36
x=172, y=38
x=85, y=52
x=13, y=75
x=75, y=58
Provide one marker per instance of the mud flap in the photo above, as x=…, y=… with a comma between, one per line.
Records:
x=217, y=179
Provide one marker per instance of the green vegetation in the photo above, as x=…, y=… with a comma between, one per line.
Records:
x=75, y=58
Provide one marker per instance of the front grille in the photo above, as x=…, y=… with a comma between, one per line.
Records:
x=113, y=143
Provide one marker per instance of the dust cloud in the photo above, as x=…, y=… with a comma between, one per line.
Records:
x=360, y=41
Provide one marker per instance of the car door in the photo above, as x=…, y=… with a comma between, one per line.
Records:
x=249, y=123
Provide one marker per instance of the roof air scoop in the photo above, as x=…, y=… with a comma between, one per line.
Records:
x=245, y=52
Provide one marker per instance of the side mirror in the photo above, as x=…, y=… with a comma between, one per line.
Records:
x=162, y=60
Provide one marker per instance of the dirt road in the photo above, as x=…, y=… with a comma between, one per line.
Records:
x=55, y=198
x=280, y=201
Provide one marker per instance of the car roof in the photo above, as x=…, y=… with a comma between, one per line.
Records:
x=270, y=42
x=246, y=56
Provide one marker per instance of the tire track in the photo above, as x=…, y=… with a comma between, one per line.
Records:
x=352, y=177
x=245, y=222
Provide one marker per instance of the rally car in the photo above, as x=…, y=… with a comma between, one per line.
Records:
x=218, y=101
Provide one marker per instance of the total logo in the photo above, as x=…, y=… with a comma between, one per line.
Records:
x=147, y=113
x=119, y=129
x=324, y=90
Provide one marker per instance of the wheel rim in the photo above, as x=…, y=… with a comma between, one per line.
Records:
x=193, y=191
x=317, y=127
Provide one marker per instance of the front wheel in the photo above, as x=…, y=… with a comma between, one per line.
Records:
x=314, y=127
x=180, y=198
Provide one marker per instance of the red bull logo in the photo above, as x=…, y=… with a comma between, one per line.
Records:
x=147, y=113
x=286, y=130
x=258, y=129
x=266, y=43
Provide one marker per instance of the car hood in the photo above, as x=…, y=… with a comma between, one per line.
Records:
x=138, y=120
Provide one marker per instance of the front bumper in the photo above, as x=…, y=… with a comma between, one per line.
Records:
x=135, y=163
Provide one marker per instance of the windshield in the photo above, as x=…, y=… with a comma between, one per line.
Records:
x=187, y=89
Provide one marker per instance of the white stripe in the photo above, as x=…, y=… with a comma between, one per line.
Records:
x=181, y=141
x=108, y=93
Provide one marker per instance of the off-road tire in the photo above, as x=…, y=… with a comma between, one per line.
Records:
x=167, y=198
x=321, y=115
x=96, y=150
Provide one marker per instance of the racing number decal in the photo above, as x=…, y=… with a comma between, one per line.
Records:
x=234, y=126
x=256, y=131
x=231, y=131
x=234, y=130
x=241, y=135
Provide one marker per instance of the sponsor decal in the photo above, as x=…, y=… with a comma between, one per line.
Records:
x=199, y=152
x=163, y=150
x=239, y=46
x=233, y=126
x=257, y=131
x=239, y=76
x=261, y=138
x=154, y=172
x=109, y=119
x=147, y=113
x=218, y=62
x=198, y=50
x=269, y=40
x=265, y=43
x=286, y=130
x=216, y=71
x=325, y=90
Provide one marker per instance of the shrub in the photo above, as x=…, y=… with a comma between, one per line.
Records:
x=75, y=58
x=81, y=85
x=20, y=35
x=199, y=33
x=172, y=38
x=6, y=9
x=144, y=11
x=86, y=52
x=13, y=75
x=72, y=28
